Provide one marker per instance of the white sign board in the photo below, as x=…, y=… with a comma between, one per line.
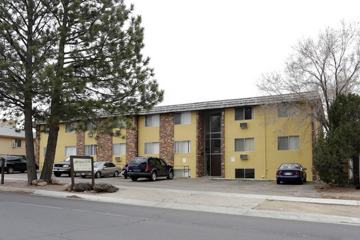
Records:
x=82, y=164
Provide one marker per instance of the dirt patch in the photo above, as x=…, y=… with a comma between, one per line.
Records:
x=348, y=192
x=311, y=208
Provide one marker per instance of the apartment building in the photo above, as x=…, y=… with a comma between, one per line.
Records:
x=236, y=138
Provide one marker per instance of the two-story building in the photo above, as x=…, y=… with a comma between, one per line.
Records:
x=236, y=138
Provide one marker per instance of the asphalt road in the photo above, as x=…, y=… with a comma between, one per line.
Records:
x=23, y=216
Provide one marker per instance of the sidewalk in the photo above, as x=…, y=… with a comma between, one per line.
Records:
x=270, y=206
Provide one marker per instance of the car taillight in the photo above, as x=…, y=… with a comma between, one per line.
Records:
x=278, y=172
x=297, y=173
x=147, y=168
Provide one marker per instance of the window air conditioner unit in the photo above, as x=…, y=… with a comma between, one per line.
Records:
x=118, y=159
x=243, y=125
x=244, y=157
x=117, y=133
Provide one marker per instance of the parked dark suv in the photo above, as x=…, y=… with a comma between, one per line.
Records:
x=149, y=167
x=14, y=164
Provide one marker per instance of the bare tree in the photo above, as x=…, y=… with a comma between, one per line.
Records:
x=328, y=65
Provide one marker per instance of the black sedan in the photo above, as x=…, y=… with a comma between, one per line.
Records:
x=14, y=163
x=149, y=167
x=291, y=172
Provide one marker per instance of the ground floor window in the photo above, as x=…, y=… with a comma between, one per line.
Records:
x=245, y=173
x=182, y=146
x=119, y=149
x=152, y=148
x=90, y=150
x=70, y=150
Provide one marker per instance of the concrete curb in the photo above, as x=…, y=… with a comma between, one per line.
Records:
x=210, y=209
x=327, y=201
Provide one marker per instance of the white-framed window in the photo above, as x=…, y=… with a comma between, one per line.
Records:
x=16, y=143
x=119, y=149
x=243, y=113
x=70, y=150
x=152, y=148
x=288, y=142
x=90, y=150
x=182, y=146
x=244, y=144
x=152, y=120
x=70, y=127
x=182, y=118
x=287, y=110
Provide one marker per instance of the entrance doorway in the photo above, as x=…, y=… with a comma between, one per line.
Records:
x=213, y=154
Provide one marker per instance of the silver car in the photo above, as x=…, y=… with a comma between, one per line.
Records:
x=104, y=169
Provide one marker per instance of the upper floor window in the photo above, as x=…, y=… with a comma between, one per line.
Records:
x=288, y=143
x=70, y=127
x=119, y=149
x=152, y=120
x=243, y=113
x=182, y=118
x=152, y=148
x=16, y=143
x=182, y=146
x=244, y=144
x=287, y=110
x=90, y=150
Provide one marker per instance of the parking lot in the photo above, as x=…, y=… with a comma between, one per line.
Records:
x=203, y=184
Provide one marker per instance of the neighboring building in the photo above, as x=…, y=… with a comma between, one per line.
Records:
x=237, y=138
x=12, y=140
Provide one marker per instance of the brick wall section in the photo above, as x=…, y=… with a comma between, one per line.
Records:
x=132, y=140
x=80, y=143
x=37, y=145
x=223, y=143
x=104, y=147
x=200, y=145
x=167, y=137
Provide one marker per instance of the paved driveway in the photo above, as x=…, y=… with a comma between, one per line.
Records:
x=205, y=184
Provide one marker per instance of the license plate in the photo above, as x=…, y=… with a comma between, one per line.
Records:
x=287, y=173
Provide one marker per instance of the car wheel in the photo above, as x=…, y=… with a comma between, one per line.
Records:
x=10, y=170
x=171, y=175
x=153, y=176
x=57, y=174
x=134, y=179
x=116, y=174
x=98, y=175
x=278, y=181
x=301, y=181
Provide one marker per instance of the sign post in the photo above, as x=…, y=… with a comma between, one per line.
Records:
x=2, y=170
x=81, y=164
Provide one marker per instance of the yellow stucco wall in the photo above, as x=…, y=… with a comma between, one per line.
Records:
x=116, y=140
x=146, y=134
x=186, y=132
x=265, y=128
x=65, y=139
x=7, y=149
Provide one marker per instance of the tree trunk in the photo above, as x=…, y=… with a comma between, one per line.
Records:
x=29, y=143
x=46, y=172
x=28, y=111
x=56, y=105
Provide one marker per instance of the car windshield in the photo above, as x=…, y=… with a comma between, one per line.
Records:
x=137, y=161
x=98, y=164
x=290, y=166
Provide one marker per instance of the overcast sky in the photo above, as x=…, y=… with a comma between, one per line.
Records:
x=209, y=50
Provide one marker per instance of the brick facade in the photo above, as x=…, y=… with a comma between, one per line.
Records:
x=200, y=145
x=132, y=140
x=167, y=137
x=104, y=147
x=80, y=143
